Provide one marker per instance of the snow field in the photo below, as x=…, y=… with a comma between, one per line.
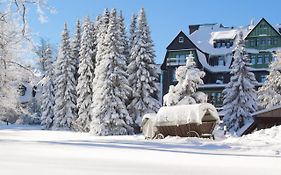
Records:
x=31, y=151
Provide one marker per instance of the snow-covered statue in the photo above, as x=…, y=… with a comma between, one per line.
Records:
x=189, y=78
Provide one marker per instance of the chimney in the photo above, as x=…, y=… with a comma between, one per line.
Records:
x=193, y=28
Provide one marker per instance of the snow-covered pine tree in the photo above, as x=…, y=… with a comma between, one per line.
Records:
x=75, y=46
x=269, y=94
x=110, y=116
x=65, y=96
x=101, y=32
x=240, y=96
x=48, y=92
x=123, y=37
x=142, y=73
x=133, y=30
x=86, y=76
x=189, y=78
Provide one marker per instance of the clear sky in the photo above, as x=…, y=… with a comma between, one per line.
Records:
x=166, y=17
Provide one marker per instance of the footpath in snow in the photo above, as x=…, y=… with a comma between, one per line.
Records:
x=30, y=150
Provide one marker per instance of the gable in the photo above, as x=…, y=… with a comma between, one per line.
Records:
x=263, y=28
x=181, y=41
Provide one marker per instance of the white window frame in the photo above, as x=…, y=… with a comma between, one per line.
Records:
x=181, y=39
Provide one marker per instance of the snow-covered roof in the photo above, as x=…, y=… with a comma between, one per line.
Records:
x=203, y=60
x=224, y=35
x=203, y=39
x=205, y=36
x=183, y=114
x=256, y=51
x=266, y=110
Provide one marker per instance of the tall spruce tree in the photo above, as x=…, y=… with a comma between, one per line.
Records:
x=133, y=30
x=239, y=95
x=110, y=116
x=65, y=96
x=48, y=92
x=143, y=73
x=75, y=47
x=122, y=36
x=86, y=76
x=270, y=93
x=102, y=24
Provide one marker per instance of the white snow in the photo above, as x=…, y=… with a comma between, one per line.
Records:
x=223, y=35
x=182, y=114
x=202, y=59
x=32, y=151
x=203, y=39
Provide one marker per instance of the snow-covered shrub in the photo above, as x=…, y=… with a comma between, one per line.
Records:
x=189, y=78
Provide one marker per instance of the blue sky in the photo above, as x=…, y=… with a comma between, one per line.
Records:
x=166, y=17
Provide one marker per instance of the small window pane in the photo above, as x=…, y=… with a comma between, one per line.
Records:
x=259, y=59
x=266, y=59
x=181, y=39
x=253, y=59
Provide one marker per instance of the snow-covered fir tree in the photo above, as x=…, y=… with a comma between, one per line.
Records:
x=269, y=94
x=110, y=86
x=65, y=96
x=123, y=37
x=48, y=92
x=86, y=76
x=143, y=73
x=240, y=96
x=101, y=32
x=133, y=30
x=189, y=77
x=75, y=46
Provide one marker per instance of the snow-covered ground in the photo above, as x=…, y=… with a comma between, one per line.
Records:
x=29, y=150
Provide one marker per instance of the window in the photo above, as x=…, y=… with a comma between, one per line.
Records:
x=252, y=42
x=275, y=41
x=181, y=39
x=266, y=59
x=228, y=45
x=258, y=42
x=259, y=59
x=174, y=75
x=221, y=61
x=218, y=45
x=263, y=42
x=253, y=59
x=269, y=41
x=262, y=78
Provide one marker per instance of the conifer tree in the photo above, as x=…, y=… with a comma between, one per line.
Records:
x=48, y=96
x=122, y=36
x=143, y=74
x=102, y=24
x=110, y=116
x=270, y=93
x=86, y=75
x=239, y=95
x=75, y=46
x=189, y=77
x=133, y=30
x=65, y=96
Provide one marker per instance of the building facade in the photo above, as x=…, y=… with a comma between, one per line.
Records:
x=212, y=46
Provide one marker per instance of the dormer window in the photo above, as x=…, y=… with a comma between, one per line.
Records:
x=181, y=39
